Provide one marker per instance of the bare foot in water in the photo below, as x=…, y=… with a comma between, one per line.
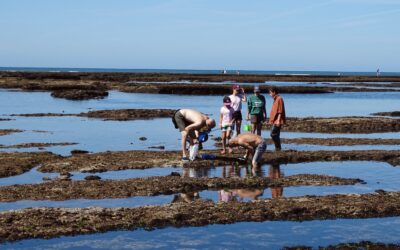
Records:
x=223, y=152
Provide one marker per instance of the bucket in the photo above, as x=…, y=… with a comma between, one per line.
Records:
x=247, y=127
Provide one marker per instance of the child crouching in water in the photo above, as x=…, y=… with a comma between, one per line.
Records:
x=226, y=123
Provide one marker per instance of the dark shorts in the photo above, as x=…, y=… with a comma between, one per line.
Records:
x=237, y=115
x=257, y=118
x=179, y=121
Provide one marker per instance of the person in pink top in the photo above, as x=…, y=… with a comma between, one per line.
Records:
x=226, y=122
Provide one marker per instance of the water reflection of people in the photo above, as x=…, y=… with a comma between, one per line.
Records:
x=227, y=195
x=185, y=197
x=275, y=173
x=196, y=172
x=241, y=194
x=249, y=193
x=230, y=171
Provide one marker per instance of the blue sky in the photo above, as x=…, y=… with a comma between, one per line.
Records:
x=343, y=35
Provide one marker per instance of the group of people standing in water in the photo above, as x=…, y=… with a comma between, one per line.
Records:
x=191, y=122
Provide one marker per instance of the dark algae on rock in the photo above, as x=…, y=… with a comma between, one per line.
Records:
x=55, y=222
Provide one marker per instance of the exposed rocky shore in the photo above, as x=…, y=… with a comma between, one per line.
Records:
x=336, y=141
x=9, y=131
x=99, y=189
x=106, y=161
x=171, y=77
x=81, y=86
x=113, y=114
x=356, y=124
x=18, y=163
x=38, y=145
x=394, y=114
x=54, y=222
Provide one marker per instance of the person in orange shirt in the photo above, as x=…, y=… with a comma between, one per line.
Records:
x=277, y=117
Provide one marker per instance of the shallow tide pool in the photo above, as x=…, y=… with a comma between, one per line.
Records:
x=377, y=175
x=245, y=235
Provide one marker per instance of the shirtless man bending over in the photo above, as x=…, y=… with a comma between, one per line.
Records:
x=189, y=122
x=254, y=145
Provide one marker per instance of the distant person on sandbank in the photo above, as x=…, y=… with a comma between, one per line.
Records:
x=238, y=96
x=256, y=112
x=277, y=117
x=254, y=145
x=190, y=122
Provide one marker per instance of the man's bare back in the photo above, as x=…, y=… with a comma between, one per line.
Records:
x=254, y=145
x=246, y=140
x=189, y=122
x=196, y=118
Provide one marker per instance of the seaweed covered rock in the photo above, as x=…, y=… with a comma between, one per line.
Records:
x=79, y=94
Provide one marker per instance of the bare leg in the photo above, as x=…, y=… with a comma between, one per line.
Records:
x=223, y=142
x=184, y=137
x=228, y=136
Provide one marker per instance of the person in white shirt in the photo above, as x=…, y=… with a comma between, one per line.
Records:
x=225, y=123
x=238, y=96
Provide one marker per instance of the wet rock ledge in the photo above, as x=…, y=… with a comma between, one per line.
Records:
x=38, y=145
x=113, y=114
x=79, y=94
x=97, y=189
x=54, y=222
x=212, y=89
x=394, y=114
x=336, y=141
x=9, y=131
x=80, y=86
x=17, y=163
x=356, y=124
x=120, y=160
x=129, y=114
x=340, y=141
x=363, y=245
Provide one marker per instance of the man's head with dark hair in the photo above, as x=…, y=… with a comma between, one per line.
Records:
x=274, y=89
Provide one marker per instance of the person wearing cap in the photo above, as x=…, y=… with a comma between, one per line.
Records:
x=225, y=122
x=277, y=117
x=256, y=112
x=190, y=122
x=238, y=96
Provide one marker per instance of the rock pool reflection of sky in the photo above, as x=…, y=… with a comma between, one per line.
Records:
x=246, y=235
